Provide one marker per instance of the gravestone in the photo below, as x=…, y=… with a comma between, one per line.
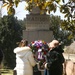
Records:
x=37, y=26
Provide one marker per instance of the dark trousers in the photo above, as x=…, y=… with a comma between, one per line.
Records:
x=14, y=72
x=46, y=72
x=37, y=73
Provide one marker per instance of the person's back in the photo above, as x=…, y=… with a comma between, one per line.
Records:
x=24, y=60
x=55, y=59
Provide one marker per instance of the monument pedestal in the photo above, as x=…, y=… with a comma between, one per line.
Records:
x=38, y=35
x=37, y=26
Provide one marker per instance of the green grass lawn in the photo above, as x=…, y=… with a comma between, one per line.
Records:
x=6, y=72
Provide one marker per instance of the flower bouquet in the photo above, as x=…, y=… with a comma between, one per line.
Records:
x=39, y=48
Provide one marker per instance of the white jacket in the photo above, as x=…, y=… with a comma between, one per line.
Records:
x=24, y=61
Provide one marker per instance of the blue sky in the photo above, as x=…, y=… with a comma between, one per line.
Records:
x=21, y=12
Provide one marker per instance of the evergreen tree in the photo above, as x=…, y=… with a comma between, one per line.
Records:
x=10, y=33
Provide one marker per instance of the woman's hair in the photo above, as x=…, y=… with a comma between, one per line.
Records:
x=23, y=43
x=26, y=43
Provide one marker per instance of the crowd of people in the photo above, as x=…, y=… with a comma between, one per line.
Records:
x=28, y=60
x=25, y=60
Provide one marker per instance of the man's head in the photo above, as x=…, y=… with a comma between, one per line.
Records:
x=53, y=44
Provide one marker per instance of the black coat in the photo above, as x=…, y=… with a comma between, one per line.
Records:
x=55, y=60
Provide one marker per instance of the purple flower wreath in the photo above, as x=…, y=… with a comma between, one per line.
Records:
x=39, y=44
x=39, y=48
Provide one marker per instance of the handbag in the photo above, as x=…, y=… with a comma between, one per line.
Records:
x=41, y=66
x=36, y=71
x=14, y=72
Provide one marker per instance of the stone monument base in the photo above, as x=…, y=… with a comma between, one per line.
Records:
x=33, y=35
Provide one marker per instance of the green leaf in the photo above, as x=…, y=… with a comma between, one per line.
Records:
x=5, y=4
x=66, y=15
x=16, y=2
x=63, y=1
x=55, y=9
x=57, y=1
x=11, y=11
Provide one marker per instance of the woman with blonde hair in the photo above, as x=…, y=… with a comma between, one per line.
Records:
x=24, y=59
